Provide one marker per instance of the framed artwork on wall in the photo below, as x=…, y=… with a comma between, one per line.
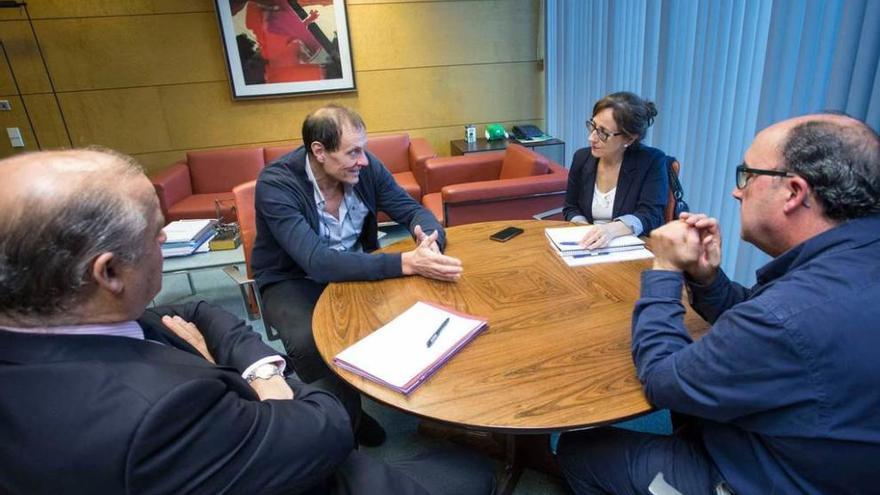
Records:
x=286, y=47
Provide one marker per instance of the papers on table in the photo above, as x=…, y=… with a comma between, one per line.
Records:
x=611, y=257
x=398, y=356
x=565, y=242
x=187, y=237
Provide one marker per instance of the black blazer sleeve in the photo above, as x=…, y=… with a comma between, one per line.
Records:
x=652, y=181
x=400, y=206
x=642, y=186
x=230, y=341
x=207, y=436
x=574, y=190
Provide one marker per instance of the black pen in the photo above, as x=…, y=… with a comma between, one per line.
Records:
x=436, y=333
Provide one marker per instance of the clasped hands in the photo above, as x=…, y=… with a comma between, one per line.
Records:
x=427, y=260
x=691, y=244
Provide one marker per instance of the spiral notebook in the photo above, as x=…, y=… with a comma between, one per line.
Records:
x=398, y=354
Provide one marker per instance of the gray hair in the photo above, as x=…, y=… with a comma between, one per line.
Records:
x=841, y=162
x=48, y=245
x=325, y=125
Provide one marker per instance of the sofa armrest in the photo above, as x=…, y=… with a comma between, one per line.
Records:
x=419, y=152
x=555, y=168
x=440, y=172
x=172, y=185
x=507, y=188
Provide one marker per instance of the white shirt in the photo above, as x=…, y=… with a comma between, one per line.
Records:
x=340, y=234
x=603, y=204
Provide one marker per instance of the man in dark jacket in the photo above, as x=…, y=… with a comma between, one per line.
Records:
x=101, y=396
x=784, y=389
x=316, y=211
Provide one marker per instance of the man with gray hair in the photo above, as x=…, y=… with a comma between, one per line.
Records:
x=100, y=395
x=784, y=389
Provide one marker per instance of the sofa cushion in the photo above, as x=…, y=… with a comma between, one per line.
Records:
x=393, y=150
x=521, y=162
x=434, y=203
x=272, y=153
x=218, y=171
x=407, y=181
x=202, y=206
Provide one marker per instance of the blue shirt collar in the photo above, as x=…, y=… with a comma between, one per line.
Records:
x=847, y=235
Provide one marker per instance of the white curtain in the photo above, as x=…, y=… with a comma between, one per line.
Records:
x=719, y=71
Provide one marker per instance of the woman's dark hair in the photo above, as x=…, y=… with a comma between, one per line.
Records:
x=632, y=114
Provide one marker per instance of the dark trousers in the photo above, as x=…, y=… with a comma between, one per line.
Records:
x=446, y=472
x=288, y=306
x=613, y=460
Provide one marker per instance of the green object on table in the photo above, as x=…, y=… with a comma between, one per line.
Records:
x=495, y=132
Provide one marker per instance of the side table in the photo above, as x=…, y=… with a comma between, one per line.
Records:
x=553, y=148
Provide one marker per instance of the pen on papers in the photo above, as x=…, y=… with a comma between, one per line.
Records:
x=587, y=255
x=569, y=243
x=436, y=333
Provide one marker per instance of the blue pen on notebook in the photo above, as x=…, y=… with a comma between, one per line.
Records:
x=569, y=243
x=587, y=255
x=436, y=333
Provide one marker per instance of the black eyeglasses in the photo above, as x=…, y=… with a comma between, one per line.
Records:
x=602, y=134
x=744, y=174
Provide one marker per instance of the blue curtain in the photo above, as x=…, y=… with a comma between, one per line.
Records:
x=719, y=71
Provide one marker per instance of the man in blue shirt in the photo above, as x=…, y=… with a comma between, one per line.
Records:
x=316, y=211
x=784, y=390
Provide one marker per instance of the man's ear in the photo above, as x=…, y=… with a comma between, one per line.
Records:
x=107, y=272
x=318, y=150
x=798, y=194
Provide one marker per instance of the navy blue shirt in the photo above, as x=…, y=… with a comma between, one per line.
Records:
x=787, y=378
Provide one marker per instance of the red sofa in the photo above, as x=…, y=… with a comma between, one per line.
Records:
x=505, y=185
x=192, y=187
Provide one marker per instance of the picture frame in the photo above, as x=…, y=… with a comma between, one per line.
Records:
x=286, y=47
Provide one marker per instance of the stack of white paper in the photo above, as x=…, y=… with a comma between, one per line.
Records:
x=185, y=237
x=398, y=354
x=565, y=241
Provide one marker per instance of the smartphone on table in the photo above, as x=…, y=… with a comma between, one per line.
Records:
x=506, y=234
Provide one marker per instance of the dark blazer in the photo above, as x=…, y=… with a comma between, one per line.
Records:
x=642, y=186
x=288, y=245
x=103, y=414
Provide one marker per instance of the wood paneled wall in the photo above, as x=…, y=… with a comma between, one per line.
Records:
x=148, y=77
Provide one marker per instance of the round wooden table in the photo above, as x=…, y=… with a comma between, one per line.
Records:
x=556, y=355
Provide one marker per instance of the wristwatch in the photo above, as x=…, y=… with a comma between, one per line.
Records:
x=264, y=372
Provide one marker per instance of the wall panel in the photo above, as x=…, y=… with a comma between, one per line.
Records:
x=42, y=9
x=389, y=36
x=187, y=116
x=47, y=120
x=133, y=50
x=25, y=59
x=148, y=77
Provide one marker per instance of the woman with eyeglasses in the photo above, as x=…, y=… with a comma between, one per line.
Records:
x=618, y=185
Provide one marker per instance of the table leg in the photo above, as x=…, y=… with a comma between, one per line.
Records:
x=517, y=451
x=513, y=468
x=249, y=296
x=189, y=280
x=192, y=287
